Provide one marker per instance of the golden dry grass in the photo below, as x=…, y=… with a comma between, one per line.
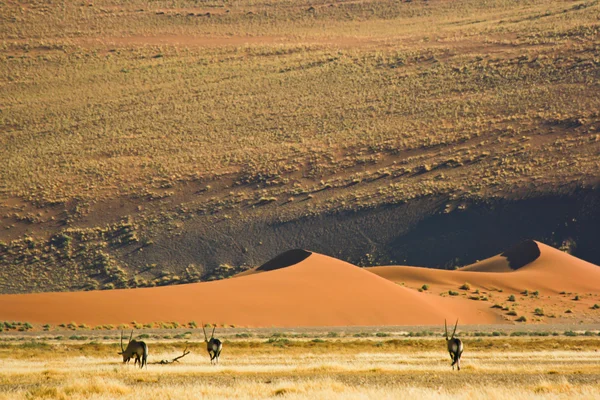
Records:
x=105, y=119
x=141, y=110
x=341, y=373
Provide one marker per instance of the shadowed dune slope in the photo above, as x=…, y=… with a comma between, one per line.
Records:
x=286, y=259
x=283, y=260
x=318, y=291
x=552, y=271
x=512, y=259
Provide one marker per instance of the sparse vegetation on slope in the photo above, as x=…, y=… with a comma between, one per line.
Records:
x=253, y=114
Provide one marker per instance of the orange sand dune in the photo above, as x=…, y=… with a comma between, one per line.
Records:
x=531, y=265
x=318, y=291
x=493, y=264
x=512, y=259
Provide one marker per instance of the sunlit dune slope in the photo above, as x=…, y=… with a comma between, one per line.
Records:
x=530, y=265
x=318, y=291
x=493, y=264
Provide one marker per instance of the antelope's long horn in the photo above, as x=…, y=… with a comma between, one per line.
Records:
x=204, y=330
x=212, y=335
x=455, y=325
x=130, y=336
x=122, y=350
x=446, y=329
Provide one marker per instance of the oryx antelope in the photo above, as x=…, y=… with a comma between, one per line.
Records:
x=137, y=349
x=214, y=346
x=455, y=346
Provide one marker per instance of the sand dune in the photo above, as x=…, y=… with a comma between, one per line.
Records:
x=493, y=264
x=512, y=259
x=300, y=288
x=283, y=260
x=530, y=282
x=318, y=291
x=553, y=271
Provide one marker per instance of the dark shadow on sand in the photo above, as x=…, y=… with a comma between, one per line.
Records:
x=522, y=254
x=285, y=259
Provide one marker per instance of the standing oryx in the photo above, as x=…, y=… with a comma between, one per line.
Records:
x=134, y=349
x=214, y=346
x=455, y=346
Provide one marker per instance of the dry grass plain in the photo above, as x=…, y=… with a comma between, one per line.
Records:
x=126, y=125
x=496, y=368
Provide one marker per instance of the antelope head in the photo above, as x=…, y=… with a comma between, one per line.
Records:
x=122, y=352
x=212, y=335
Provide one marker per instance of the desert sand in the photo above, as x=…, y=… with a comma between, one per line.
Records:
x=546, y=284
x=300, y=288
x=551, y=271
x=318, y=291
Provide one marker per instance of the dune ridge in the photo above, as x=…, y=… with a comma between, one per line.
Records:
x=300, y=288
x=534, y=266
x=283, y=260
x=318, y=291
x=512, y=259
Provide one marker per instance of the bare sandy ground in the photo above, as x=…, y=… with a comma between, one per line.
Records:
x=542, y=284
x=300, y=288
x=319, y=291
x=552, y=272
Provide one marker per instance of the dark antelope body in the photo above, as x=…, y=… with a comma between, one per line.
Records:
x=213, y=346
x=137, y=349
x=455, y=346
